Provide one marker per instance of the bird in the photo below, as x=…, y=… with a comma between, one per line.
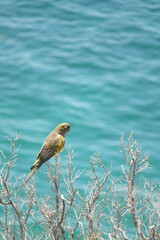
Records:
x=53, y=144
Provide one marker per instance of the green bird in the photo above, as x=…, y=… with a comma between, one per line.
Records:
x=53, y=144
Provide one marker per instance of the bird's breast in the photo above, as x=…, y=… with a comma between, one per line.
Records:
x=60, y=143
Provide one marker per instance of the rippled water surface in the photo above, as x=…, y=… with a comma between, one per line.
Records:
x=94, y=64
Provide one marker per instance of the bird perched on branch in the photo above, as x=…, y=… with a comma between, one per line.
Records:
x=53, y=144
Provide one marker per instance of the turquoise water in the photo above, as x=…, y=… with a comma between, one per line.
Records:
x=94, y=64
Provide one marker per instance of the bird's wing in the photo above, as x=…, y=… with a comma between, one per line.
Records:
x=46, y=153
x=27, y=178
x=50, y=149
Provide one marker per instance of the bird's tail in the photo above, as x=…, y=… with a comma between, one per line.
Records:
x=27, y=178
x=37, y=164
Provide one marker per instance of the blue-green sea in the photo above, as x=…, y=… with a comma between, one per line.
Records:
x=94, y=64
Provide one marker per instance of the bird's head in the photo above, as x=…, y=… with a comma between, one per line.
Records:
x=63, y=128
